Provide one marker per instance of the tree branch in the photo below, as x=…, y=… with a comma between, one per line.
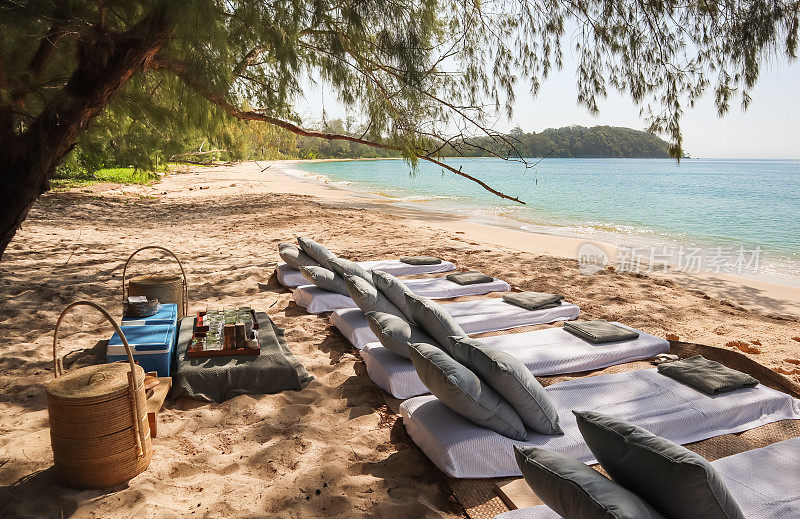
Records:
x=161, y=63
x=481, y=183
x=365, y=62
x=46, y=49
x=194, y=153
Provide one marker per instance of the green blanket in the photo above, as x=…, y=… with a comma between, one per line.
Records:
x=469, y=277
x=708, y=376
x=600, y=331
x=420, y=260
x=533, y=300
x=217, y=379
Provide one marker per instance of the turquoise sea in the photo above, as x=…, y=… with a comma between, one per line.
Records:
x=728, y=204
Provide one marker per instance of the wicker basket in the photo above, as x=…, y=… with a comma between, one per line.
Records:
x=98, y=418
x=167, y=289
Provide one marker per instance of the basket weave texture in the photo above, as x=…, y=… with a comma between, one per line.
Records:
x=165, y=288
x=98, y=419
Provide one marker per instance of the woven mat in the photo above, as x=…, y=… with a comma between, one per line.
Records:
x=479, y=496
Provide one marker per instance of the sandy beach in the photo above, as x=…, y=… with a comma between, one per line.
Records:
x=333, y=448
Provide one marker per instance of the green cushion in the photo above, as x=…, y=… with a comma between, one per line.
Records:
x=316, y=251
x=295, y=257
x=395, y=333
x=463, y=391
x=675, y=480
x=325, y=279
x=574, y=490
x=342, y=266
x=431, y=317
x=509, y=377
x=394, y=290
x=367, y=297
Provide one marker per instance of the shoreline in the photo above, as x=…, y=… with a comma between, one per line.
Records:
x=768, y=296
x=646, y=241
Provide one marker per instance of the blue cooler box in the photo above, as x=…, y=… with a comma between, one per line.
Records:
x=151, y=347
x=167, y=314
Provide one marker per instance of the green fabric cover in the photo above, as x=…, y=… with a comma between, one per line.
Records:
x=574, y=490
x=708, y=376
x=316, y=251
x=469, y=278
x=509, y=377
x=294, y=257
x=395, y=333
x=367, y=297
x=599, y=331
x=216, y=379
x=342, y=266
x=533, y=300
x=431, y=317
x=674, y=480
x=463, y=391
x=420, y=260
x=325, y=279
x=394, y=290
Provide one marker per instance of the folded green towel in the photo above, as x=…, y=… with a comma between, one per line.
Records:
x=600, y=331
x=421, y=260
x=533, y=300
x=469, y=278
x=708, y=376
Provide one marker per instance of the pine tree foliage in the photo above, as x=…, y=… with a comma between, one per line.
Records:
x=416, y=70
x=424, y=74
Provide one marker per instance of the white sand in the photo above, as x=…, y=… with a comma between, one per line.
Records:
x=331, y=449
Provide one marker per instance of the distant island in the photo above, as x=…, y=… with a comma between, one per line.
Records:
x=567, y=142
x=578, y=142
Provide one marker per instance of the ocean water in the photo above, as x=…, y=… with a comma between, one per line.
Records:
x=728, y=205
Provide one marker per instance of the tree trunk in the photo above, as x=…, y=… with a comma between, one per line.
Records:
x=28, y=159
x=21, y=184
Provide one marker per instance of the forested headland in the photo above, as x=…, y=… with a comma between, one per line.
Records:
x=570, y=142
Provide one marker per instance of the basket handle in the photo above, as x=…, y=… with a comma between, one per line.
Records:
x=58, y=367
x=185, y=306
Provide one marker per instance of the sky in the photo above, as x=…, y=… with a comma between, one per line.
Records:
x=768, y=129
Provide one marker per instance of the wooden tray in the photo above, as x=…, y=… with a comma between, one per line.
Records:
x=238, y=352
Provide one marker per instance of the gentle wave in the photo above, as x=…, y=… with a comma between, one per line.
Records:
x=636, y=202
x=316, y=177
x=425, y=198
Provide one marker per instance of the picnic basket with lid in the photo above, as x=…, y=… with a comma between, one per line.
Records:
x=165, y=288
x=98, y=418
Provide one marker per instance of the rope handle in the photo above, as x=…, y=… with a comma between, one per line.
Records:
x=58, y=367
x=185, y=305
